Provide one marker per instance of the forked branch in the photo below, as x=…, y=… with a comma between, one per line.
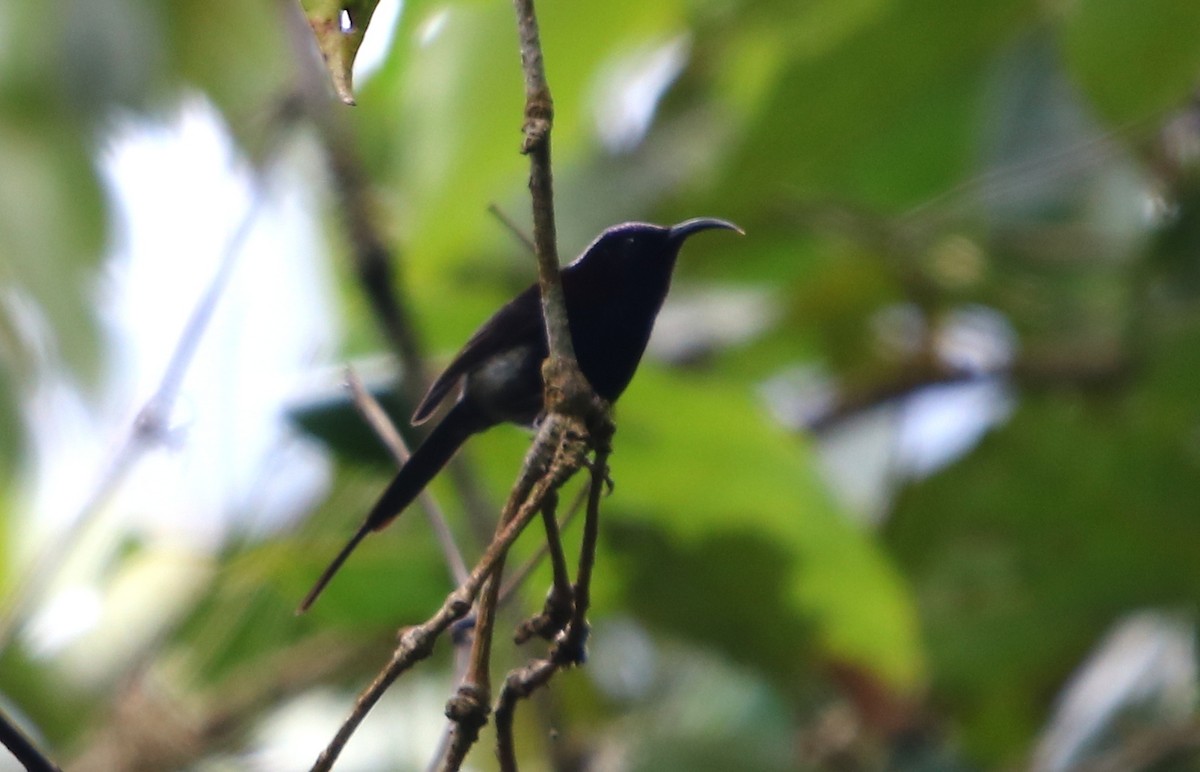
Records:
x=552, y=459
x=569, y=647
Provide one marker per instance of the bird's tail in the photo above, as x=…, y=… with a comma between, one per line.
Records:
x=451, y=432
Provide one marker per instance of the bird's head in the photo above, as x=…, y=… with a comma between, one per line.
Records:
x=638, y=244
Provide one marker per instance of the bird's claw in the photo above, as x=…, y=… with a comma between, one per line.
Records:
x=605, y=475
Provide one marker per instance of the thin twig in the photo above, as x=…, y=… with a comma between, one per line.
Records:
x=377, y=418
x=468, y=708
x=577, y=636
x=1081, y=370
x=519, y=684
x=556, y=610
x=23, y=748
x=1028, y=173
x=373, y=263
x=518, y=577
x=513, y=228
x=569, y=650
x=558, y=561
x=462, y=657
x=539, y=117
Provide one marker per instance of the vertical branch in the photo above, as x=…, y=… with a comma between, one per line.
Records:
x=468, y=708
x=571, y=648
x=516, y=578
x=557, y=609
x=539, y=118
x=566, y=389
x=570, y=401
x=558, y=561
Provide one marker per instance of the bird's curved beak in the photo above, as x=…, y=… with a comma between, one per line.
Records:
x=678, y=233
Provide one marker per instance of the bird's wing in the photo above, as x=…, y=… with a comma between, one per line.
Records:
x=515, y=323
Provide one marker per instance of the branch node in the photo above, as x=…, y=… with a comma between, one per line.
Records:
x=539, y=117
x=570, y=648
x=468, y=707
x=556, y=612
x=460, y=602
x=416, y=641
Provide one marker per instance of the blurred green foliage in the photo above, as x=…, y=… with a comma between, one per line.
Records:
x=920, y=155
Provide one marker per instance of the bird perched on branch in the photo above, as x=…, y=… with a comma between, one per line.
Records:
x=613, y=294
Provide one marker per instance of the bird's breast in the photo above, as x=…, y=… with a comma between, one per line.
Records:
x=610, y=339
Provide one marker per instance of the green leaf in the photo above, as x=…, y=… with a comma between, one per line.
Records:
x=1134, y=58
x=887, y=118
x=735, y=520
x=335, y=421
x=396, y=577
x=237, y=53
x=339, y=46
x=1080, y=510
